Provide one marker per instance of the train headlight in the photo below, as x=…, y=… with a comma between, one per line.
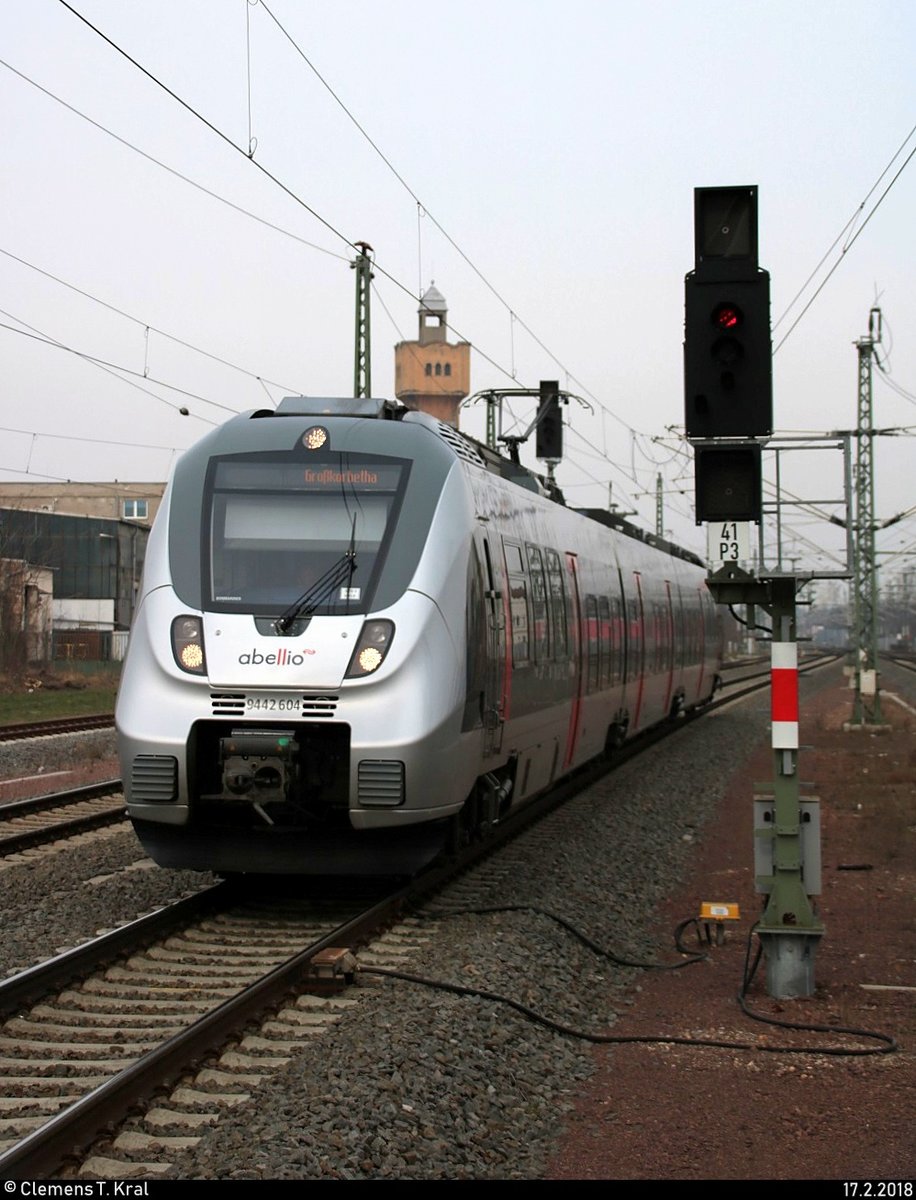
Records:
x=188, y=645
x=371, y=648
x=315, y=438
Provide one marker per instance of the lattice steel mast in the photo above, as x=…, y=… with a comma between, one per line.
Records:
x=362, y=372
x=867, y=696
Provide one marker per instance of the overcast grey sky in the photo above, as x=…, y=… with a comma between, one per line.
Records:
x=557, y=145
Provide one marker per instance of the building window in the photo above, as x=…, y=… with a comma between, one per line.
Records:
x=135, y=510
x=429, y=368
x=438, y=368
x=448, y=368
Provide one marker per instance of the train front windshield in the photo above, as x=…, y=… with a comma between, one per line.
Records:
x=281, y=530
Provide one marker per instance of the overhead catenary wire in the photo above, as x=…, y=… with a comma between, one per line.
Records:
x=46, y=477
x=438, y=384
x=849, y=224
x=144, y=324
x=328, y=224
x=332, y=228
x=114, y=369
x=592, y=479
x=514, y=317
x=637, y=444
x=70, y=437
x=214, y=195
x=274, y=179
x=848, y=246
x=224, y=137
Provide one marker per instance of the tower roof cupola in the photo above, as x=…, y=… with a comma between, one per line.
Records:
x=433, y=312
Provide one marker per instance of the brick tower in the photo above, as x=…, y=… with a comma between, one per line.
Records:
x=432, y=374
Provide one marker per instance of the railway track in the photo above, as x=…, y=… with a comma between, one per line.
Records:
x=119, y=1019
x=35, y=729
x=25, y=824
x=186, y=981
x=906, y=661
x=757, y=680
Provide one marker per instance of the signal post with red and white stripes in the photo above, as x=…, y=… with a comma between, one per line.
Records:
x=728, y=417
x=789, y=929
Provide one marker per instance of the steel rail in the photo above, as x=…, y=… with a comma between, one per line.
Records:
x=41, y=1153
x=30, y=839
x=35, y=804
x=26, y=839
x=56, y=973
x=34, y=729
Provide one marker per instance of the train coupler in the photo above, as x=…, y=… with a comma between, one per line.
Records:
x=258, y=766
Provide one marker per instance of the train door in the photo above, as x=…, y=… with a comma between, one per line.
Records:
x=669, y=643
x=572, y=570
x=700, y=618
x=637, y=662
x=498, y=673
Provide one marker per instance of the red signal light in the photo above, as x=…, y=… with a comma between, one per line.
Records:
x=727, y=316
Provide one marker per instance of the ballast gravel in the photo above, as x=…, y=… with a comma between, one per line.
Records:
x=54, y=897
x=418, y=1083
x=415, y=1082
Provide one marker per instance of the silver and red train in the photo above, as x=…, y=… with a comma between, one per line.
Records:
x=361, y=634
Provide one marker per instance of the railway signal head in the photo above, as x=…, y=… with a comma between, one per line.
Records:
x=549, y=431
x=728, y=482
x=728, y=389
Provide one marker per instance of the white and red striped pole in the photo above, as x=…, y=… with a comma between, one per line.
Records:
x=784, y=695
x=789, y=928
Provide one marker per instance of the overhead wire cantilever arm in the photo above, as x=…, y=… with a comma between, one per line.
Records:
x=494, y=400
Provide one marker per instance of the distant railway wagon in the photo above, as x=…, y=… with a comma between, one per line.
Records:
x=362, y=634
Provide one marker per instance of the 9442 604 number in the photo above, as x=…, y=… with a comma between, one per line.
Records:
x=290, y=705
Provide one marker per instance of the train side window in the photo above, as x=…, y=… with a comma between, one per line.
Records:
x=617, y=642
x=659, y=629
x=514, y=563
x=662, y=638
x=518, y=594
x=635, y=639
x=677, y=618
x=476, y=663
x=648, y=639
x=559, y=631
x=540, y=628
x=593, y=643
x=604, y=636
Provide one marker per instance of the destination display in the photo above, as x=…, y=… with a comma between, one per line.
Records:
x=346, y=471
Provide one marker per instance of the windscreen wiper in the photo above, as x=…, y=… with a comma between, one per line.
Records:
x=322, y=588
x=318, y=593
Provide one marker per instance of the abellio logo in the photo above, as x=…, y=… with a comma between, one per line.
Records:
x=280, y=658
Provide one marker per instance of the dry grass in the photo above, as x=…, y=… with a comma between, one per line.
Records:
x=47, y=694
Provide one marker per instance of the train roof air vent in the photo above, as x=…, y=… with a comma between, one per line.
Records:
x=460, y=444
x=334, y=406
